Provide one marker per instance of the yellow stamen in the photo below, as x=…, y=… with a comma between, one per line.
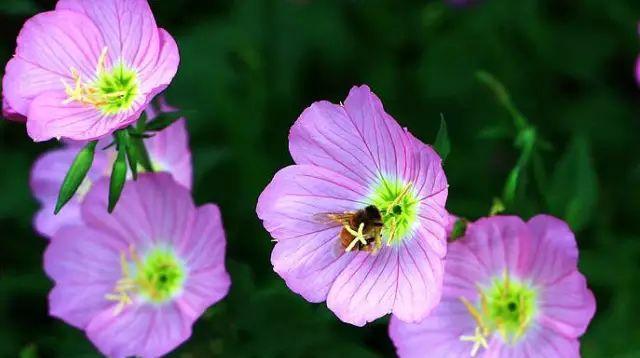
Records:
x=358, y=236
x=125, y=285
x=101, y=60
x=479, y=341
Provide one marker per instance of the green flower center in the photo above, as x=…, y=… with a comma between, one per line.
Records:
x=157, y=277
x=507, y=306
x=511, y=306
x=116, y=90
x=398, y=206
x=112, y=91
x=160, y=276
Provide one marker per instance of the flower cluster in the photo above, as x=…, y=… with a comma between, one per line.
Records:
x=358, y=221
x=135, y=280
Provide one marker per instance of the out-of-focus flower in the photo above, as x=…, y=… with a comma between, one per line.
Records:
x=511, y=289
x=168, y=151
x=87, y=68
x=359, y=220
x=137, y=279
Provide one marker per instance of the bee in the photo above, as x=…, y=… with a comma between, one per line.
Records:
x=361, y=229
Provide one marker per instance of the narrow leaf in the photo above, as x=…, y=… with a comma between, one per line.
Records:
x=503, y=97
x=511, y=185
x=573, y=188
x=76, y=174
x=118, y=178
x=442, y=144
x=162, y=121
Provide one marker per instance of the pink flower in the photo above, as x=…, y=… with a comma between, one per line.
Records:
x=137, y=280
x=168, y=151
x=87, y=68
x=511, y=289
x=354, y=160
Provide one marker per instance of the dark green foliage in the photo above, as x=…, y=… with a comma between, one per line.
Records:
x=442, y=144
x=249, y=68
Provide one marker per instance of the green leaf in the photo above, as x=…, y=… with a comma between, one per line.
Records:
x=76, y=174
x=511, y=185
x=503, y=97
x=118, y=178
x=442, y=144
x=162, y=121
x=573, y=190
x=29, y=351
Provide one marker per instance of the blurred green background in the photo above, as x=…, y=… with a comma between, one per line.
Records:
x=249, y=68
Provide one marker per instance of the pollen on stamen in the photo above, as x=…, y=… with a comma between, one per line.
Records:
x=111, y=91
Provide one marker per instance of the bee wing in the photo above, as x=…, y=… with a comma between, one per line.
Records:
x=332, y=218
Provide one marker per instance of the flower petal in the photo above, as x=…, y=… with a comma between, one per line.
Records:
x=367, y=288
x=154, y=209
x=50, y=44
x=567, y=305
x=203, y=252
x=47, y=176
x=358, y=139
x=169, y=149
x=144, y=331
x=554, y=249
x=131, y=34
x=295, y=203
x=437, y=335
x=50, y=117
x=9, y=113
x=538, y=342
x=85, y=265
x=405, y=280
x=419, y=277
x=294, y=209
x=500, y=243
x=310, y=264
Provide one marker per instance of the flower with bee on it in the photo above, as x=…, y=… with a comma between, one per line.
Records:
x=87, y=68
x=137, y=279
x=353, y=164
x=511, y=289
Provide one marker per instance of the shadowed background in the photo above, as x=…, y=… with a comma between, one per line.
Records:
x=249, y=68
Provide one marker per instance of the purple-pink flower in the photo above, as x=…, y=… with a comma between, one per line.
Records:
x=137, y=279
x=87, y=68
x=168, y=151
x=359, y=220
x=511, y=289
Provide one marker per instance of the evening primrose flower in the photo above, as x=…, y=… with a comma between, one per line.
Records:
x=359, y=220
x=168, y=151
x=137, y=279
x=87, y=68
x=511, y=289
